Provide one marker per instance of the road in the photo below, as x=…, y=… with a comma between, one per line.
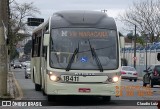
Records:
x=29, y=93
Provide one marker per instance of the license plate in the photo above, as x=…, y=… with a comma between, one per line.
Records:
x=85, y=90
x=130, y=73
x=68, y=78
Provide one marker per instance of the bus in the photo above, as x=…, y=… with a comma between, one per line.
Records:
x=77, y=53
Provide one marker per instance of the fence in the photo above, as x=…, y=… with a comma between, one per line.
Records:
x=141, y=59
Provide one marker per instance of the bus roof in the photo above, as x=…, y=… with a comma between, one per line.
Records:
x=77, y=18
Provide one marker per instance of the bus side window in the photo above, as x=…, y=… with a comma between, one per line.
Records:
x=158, y=56
x=45, y=52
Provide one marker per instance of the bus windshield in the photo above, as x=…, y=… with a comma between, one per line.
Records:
x=83, y=48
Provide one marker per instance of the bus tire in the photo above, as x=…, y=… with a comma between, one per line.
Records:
x=51, y=98
x=43, y=91
x=37, y=87
x=33, y=77
x=135, y=80
x=106, y=98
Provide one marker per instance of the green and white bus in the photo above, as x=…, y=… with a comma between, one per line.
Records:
x=76, y=53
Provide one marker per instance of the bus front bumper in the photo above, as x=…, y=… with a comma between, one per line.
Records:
x=82, y=89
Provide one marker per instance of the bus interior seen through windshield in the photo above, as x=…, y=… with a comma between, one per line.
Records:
x=91, y=49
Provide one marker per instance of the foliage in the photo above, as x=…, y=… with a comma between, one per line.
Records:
x=27, y=47
x=145, y=15
x=19, y=14
x=18, y=17
x=130, y=36
x=141, y=41
x=14, y=54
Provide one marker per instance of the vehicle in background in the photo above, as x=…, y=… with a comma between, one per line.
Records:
x=152, y=76
x=17, y=65
x=26, y=63
x=23, y=64
x=27, y=72
x=129, y=72
x=12, y=63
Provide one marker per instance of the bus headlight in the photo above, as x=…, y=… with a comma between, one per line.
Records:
x=115, y=78
x=53, y=77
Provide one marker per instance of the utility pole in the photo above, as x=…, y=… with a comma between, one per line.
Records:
x=146, y=54
x=135, y=38
x=3, y=47
x=147, y=35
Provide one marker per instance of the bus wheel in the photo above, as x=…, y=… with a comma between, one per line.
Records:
x=51, y=98
x=106, y=98
x=37, y=87
x=44, y=92
x=135, y=80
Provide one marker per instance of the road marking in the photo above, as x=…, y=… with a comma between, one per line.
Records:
x=20, y=92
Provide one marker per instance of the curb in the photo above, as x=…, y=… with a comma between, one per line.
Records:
x=19, y=91
x=10, y=86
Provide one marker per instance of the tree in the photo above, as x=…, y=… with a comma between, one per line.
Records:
x=141, y=40
x=18, y=17
x=145, y=15
x=3, y=48
x=130, y=36
x=27, y=47
x=14, y=54
x=19, y=14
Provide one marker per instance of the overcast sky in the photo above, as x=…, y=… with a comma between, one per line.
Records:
x=113, y=7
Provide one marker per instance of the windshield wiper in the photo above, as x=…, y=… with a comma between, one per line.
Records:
x=94, y=55
x=72, y=58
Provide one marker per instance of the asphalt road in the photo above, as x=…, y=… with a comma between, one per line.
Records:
x=28, y=93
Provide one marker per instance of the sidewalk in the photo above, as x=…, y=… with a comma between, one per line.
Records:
x=11, y=87
x=12, y=91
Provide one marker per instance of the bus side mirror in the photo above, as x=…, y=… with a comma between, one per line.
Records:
x=46, y=40
x=122, y=41
x=158, y=56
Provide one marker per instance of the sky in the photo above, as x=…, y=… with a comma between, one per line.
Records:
x=113, y=7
